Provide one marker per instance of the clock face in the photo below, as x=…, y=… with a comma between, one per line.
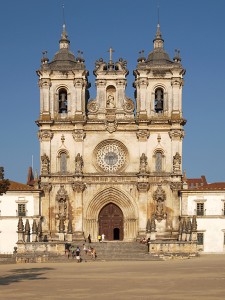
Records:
x=111, y=156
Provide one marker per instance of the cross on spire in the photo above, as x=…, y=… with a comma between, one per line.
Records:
x=110, y=53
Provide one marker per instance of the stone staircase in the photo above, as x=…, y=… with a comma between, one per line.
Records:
x=113, y=251
x=106, y=251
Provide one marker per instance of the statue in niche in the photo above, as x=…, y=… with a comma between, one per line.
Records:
x=176, y=162
x=45, y=164
x=62, y=199
x=78, y=164
x=159, y=197
x=143, y=163
x=110, y=103
x=62, y=208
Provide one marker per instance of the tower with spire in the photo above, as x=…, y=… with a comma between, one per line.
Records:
x=158, y=89
x=64, y=94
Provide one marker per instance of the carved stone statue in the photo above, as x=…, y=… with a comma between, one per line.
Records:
x=110, y=103
x=176, y=162
x=45, y=164
x=62, y=198
x=159, y=196
x=79, y=164
x=143, y=163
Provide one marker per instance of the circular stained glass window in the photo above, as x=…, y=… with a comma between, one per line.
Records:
x=111, y=156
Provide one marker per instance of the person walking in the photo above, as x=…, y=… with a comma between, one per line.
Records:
x=93, y=253
x=99, y=238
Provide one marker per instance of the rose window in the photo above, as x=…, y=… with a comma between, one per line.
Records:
x=111, y=156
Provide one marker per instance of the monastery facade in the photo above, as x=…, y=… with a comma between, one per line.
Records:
x=112, y=164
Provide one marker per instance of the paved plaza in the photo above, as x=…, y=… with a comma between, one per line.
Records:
x=196, y=278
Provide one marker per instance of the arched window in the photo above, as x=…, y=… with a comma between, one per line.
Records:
x=158, y=161
x=63, y=162
x=62, y=101
x=159, y=100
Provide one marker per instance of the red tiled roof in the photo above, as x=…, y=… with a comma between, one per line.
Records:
x=196, y=182
x=212, y=186
x=17, y=186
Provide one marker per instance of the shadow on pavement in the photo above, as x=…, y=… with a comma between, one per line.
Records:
x=24, y=274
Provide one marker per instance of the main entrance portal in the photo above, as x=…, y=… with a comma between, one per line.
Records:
x=110, y=221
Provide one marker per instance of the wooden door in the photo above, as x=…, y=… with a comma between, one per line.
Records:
x=111, y=222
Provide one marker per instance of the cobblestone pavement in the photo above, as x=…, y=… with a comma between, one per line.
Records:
x=196, y=278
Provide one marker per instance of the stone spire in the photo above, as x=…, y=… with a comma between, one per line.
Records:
x=158, y=41
x=30, y=177
x=64, y=42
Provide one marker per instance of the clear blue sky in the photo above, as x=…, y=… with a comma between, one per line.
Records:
x=195, y=27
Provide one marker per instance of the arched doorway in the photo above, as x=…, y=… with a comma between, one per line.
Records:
x=110, y=221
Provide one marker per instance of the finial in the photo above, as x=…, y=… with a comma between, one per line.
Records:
x=141, y=56
x=110, y=53
x=64, y=22
x=64, y=42
x=158, y=11
x=110, y=64
x=177, y=57
x=44, y=59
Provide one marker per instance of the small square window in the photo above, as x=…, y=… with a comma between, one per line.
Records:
x=200, y=209
x=200, y=238
x=21, y=210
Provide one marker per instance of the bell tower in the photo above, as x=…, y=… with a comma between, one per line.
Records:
x=64, y=93
x=111, y=99
x=158, y=91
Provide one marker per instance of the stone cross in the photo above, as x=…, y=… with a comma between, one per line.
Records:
x=110, y=53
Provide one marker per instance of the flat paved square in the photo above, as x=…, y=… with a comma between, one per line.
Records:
x=196, y=278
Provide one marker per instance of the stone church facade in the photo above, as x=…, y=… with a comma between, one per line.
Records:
x=112, y=164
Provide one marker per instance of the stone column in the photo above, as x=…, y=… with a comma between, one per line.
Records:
x=78, y=187
x=143, y=187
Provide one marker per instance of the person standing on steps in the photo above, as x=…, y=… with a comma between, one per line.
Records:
x=99, y=238
x=103, y=237
x=78, y=254
x=89, y=238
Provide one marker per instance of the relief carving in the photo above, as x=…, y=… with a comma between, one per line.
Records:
x=143, y=164
x=176, y=186
x=79, y=163
x=128, y=105
x=92, y=106
x=176, y=134
x=45, y=164
x=78, y=186
x=143, y=135
x=79, y=135
x=176, y=162
x=111, y=126
x=45, y=135
x=143, y=187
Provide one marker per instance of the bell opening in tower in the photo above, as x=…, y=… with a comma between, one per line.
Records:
x=62, y=101
x=159, y=95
